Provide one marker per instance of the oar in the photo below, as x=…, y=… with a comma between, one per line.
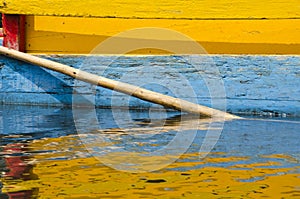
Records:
x=136, y=91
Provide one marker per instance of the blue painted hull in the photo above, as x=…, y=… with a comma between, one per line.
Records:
x=252, y=84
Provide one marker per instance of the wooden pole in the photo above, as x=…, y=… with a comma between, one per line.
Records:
x=136, y=91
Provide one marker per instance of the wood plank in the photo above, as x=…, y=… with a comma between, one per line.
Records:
x=253, y=84
x=64, y=35
x=14, y=32
x=129, y=89
x=177, y=9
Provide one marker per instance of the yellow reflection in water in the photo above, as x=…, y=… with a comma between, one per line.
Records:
x=82, y=177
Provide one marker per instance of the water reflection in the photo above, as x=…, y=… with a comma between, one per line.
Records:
x=18, y=168
x=138, y=140
x=25, y=123
x=251, y=158
x=19, y=126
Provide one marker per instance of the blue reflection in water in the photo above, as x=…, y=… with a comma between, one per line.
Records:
x=252, y=137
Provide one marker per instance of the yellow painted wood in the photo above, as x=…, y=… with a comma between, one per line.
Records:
x=180, y=9
x=81, y=35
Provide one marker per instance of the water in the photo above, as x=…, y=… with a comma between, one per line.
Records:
x=58, y=153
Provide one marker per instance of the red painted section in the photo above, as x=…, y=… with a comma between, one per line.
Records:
x=14, y=31
x=10, y=30
x=22, y=43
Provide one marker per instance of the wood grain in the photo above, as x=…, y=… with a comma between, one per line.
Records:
x=64, y=35
x=177, y=9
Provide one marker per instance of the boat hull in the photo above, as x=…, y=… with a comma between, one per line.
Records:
x=244, y=84
x=45, y=34
x=222, y=27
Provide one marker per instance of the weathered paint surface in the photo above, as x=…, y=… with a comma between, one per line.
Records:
x=190, y=9
x=253, y=84
x=46, y=34
x=226, y=26
x=14, y=32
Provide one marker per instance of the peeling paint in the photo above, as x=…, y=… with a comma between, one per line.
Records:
x=253, y=84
